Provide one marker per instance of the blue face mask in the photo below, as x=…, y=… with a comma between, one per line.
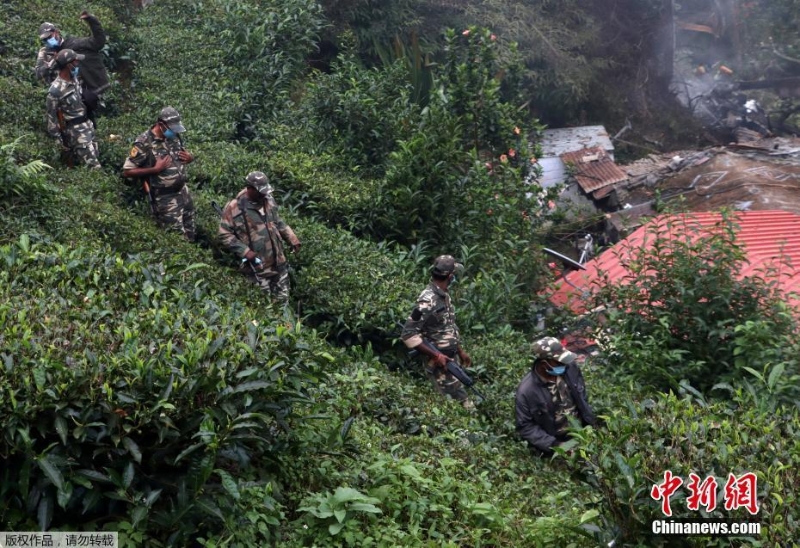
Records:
x=557, y=371
x=52, y=42
x=74, y=71
x=169, y=134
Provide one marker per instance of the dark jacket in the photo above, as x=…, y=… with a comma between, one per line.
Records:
x=536, y=413
x=93, y=72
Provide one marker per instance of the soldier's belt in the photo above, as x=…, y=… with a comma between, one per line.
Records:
x=168, y=190
x=76, y=121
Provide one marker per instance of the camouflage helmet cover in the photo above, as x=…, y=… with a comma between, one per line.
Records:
x=549, y=348
x=66, y=56
x=172, y=118
x=259, y=181
x=46, y=29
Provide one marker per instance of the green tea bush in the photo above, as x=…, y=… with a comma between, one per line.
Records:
x=685, y=313
x=646, y=436
x=134, y=393
x=361, y=112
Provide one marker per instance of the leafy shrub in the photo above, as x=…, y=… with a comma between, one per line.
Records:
x=150, y=400
x=683, y=311
x=644, y=437
x=361, y=112
x=18, y=180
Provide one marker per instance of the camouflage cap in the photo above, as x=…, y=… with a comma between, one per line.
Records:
x=259, y=181
x=66, y=56
x=46, y=29
x=172, y=118
x=549, y=348
x=444, y=265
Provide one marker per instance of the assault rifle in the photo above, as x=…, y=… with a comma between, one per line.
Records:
x=452, y=367
x=66, y=152
x=257, y=260
x=146, y=188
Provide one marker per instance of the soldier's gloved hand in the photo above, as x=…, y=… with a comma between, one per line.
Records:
x=440, y=360
x=185, y=157
x=257, y=261
x=250, y=255
x=296, y=247
x=85, y=15
x=465, y=358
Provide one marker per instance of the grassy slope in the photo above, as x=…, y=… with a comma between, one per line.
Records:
x=479, y=483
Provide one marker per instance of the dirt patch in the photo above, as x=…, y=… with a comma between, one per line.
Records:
x=743, y=182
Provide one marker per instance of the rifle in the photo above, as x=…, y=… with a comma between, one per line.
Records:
x=453, y=368
x=66, y=155
x=146, y=188
x=218, y=210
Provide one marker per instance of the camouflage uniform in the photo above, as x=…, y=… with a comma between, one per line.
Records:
x=64, y=96
x=544, y=404
x=563, y=404
x=93, y=77
x=434, y=320
x=172, y=202
x=251, y=226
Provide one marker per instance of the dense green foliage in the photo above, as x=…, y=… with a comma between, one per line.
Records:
x=146, y=388
x=682, y=294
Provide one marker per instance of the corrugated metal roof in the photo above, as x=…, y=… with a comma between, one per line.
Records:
x=771, y=241
x=594, y=168
x=556, y=142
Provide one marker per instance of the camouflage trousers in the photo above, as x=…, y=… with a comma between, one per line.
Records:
x=176, y=212
x=276, y=284
x=446, y=383
x=82, y=146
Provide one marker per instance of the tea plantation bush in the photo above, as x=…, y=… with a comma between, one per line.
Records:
x=133, y=389
x=645, y=437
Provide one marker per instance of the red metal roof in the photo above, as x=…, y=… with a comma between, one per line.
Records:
x=771, y=241
x=594, y=168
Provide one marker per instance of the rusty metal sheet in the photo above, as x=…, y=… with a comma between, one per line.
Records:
x=593, y=168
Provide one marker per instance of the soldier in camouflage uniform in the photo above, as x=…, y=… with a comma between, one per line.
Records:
x=67, y=121
x=93, y=78
x=434, y=320
x=159, y=158
x=252, y=229
x=549, y=395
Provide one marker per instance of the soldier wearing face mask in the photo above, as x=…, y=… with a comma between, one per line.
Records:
x=67, y=121
x=549, y=396
x=159, y=159
x=93, y=77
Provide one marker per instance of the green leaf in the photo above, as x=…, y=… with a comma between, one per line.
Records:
x=340, y=514
x=588, y=516
x=755, y=373
x=94, y=475
x=64, y=495
x=188, y=451
x=44, y=512
x=364, y=507
x=335, y=528
x=775, y=375
x=128, y=475
x=138, y=514
x=229, y=484
x=346, y=494
x=61, y=429
x=51, y=471
x=133, y=449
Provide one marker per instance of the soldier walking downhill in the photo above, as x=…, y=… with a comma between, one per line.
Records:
x=433, y=320
x=158, y=156
x=93, y=78
x=67, y=121
x=251, y=228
